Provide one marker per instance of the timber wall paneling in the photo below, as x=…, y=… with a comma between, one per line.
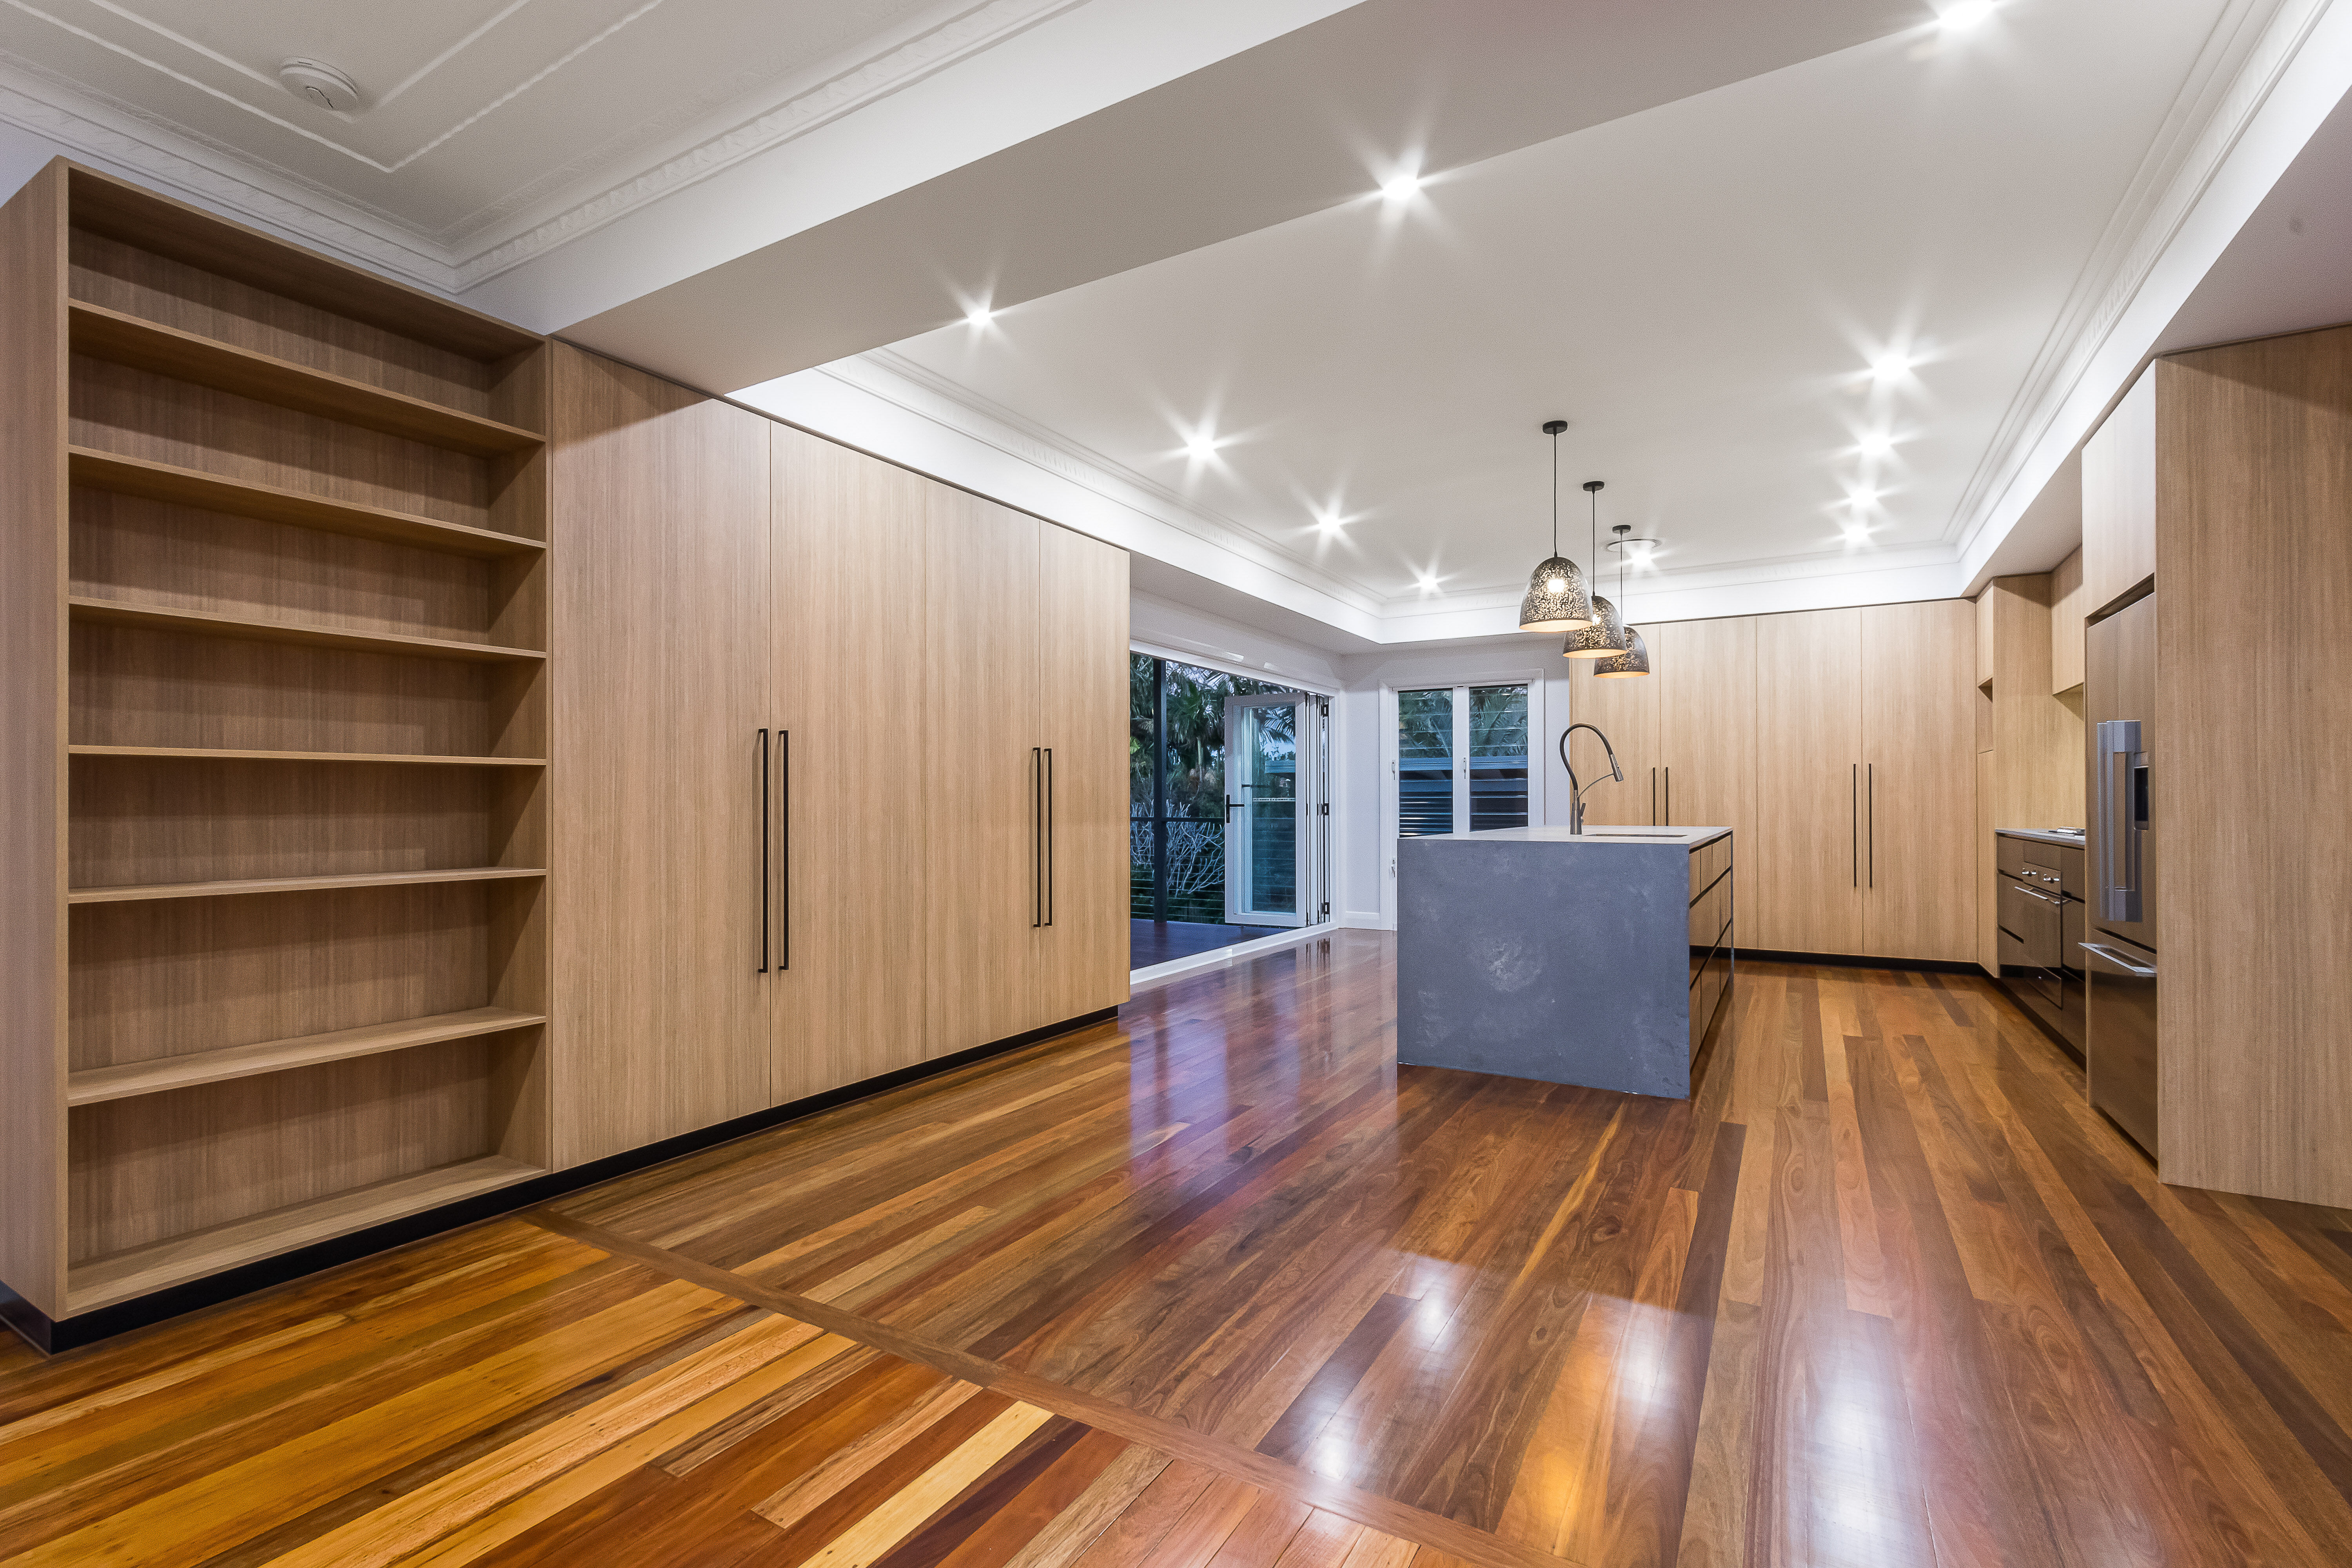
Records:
x=853, y=645
x=276, y=686
x=2252, y=492
x=664, y=1011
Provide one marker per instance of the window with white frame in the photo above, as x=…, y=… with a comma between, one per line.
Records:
x=1462, y=758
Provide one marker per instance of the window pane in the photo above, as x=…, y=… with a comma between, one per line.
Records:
x=1269, y=748
x=1498, y=757
x=1425, y=763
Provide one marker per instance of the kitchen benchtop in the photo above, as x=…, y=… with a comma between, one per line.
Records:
x=1679, y=837
x=2041, y=835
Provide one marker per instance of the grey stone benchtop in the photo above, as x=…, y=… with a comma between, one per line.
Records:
x=1679, y=837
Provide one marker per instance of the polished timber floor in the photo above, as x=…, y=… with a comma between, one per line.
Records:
x=1221, y=1287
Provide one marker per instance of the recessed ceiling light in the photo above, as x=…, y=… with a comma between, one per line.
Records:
x=1887, y=366
x=1397, y=187
x=980, y=315
x=1961, y=15
x=1877, y=444
x=1201, y=447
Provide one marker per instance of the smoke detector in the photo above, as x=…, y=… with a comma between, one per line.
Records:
x=322, y=86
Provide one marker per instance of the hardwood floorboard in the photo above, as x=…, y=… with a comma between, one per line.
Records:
x=1222, y=1287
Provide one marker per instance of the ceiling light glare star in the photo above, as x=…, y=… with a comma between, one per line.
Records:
x=1888, y=366
x=1961, y=15
x=1877, y=444
x=979, y=316
x=1400, y=187
x=1201, y=448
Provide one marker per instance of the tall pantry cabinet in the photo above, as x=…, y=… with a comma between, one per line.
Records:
x=1869, y=781
x=850, y=787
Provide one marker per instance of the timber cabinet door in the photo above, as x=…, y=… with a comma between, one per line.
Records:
x=984, y=773
x=1706, y=732
x=851, y=641
x=661, y=1007
x=1919, y=728
x=1805, y=868
x=1626, y=711
x=1082, y=686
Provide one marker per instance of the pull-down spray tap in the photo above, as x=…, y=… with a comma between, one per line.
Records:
x=1576, y=791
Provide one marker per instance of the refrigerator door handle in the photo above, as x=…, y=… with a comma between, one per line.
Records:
x=2100, y=950
x=2120, y=832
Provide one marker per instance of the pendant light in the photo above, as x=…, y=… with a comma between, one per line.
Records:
x=1557, y=598
x=1635, y=659
x=1604, y=635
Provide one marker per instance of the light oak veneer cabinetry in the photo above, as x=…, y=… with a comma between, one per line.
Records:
x=275, y=686
x=1806, y=870
x=851, y=655
x=1918, y=779
x=1626, y=711
x=2119, y=499
x=848, y=763
x=1705, y=677
x=1867, y=797
x=2067, y=607
x=662, y=1011
x=2252, y=760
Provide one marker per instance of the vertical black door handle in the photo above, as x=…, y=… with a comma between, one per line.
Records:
x=763, y=852
x=1036, y=837
x=784, y=859
x=1670, y=796
x=1853, y=820
x=1049, y=836
x=1653, y=797
x=1870, y=778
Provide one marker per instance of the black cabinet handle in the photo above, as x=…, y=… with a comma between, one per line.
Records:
x=1853, y=821
x=763, y=852
x=1036, y=838
x=1870, y=776
x=1049, y=836
x=784, y=859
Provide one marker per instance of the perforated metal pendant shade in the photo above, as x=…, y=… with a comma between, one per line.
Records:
x=1633, y=661
x=1558, y=598
x=1604, y=638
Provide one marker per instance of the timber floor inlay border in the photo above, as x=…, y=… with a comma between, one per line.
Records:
x=1373, y=1512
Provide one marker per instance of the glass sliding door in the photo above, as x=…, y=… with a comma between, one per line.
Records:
x=1266, y=836
x=1228, y=831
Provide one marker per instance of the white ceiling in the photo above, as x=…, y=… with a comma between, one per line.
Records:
x=1698, y=288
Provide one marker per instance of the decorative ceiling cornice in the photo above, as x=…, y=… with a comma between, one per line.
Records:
x=125, y=137
x=900, y=381
x=2248, y=52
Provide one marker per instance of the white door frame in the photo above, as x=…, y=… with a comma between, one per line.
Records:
x=1538, y=727
x=1305, y=711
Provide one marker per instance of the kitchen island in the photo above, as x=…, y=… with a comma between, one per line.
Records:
x=1599, y=959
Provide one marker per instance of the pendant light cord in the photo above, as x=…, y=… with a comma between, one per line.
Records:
x=1555, y=494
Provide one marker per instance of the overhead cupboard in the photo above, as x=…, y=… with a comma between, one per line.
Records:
x=1838, y=745
x=438, y=759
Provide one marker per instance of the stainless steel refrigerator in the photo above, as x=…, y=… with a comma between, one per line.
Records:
x=2121, y=946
